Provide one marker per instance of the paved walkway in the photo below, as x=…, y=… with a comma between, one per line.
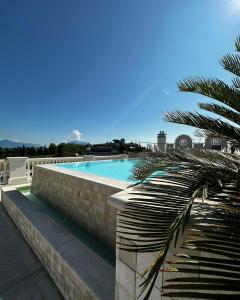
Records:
x=22, y=277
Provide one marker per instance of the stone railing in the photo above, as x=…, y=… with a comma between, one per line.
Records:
x=31, y=162
x=109, y=157
x=10, y=168
x=4, y=171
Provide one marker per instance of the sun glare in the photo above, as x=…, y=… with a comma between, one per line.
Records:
x=235, y=5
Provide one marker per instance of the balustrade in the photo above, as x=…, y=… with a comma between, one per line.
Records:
x=31, y=162
x=4, y=171
x=109, y=157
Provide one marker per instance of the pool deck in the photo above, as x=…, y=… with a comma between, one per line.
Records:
x=22, y=276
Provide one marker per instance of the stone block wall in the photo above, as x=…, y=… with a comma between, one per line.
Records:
x=129, y=268
x=131, y=265
x=77, y=271
x=82, y=199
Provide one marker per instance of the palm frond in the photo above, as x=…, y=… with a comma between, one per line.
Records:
x=162, y=204
x=213, y=88
x=210, y=265
x=160, y=207
x=154, y=211
x=203, y=133
x=204, y=122
x=222, y=111
x=157, y=161
x=201, y=160
x=237, y=44
x=236, y=82
x=231, y=63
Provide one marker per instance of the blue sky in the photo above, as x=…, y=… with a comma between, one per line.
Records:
x=106, y=68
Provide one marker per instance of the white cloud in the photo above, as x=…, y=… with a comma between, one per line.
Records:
x=76, y=135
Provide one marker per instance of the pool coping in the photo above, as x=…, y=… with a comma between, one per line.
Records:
x=120, y=199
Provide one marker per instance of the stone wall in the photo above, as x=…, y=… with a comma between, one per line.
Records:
x=83, y=198
x=137, y=154
x=78, y=272
x=129, y=268
x=131, y=265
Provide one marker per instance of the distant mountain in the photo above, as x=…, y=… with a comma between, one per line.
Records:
x=12, y=144
x=78, y=142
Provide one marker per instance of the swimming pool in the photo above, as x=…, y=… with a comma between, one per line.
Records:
x=116, y=169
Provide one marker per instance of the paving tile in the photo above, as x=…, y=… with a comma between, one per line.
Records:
x=9, y=281
x=48, y=289
x=36, y=278
x=22, y=277
x=28, y=256
x=13, y=292
x=38, y=296
x=27, y=294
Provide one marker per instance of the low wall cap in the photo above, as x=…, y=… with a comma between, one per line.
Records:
x=20, y=157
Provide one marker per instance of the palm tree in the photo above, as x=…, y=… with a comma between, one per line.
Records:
x=163, y=207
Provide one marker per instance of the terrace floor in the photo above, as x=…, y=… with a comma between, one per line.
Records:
x=22, y=277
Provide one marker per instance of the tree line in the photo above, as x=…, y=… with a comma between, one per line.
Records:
x=53, y=150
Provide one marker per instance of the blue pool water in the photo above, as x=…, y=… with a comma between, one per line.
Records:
x=116, y=169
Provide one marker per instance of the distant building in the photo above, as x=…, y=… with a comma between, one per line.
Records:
x=104, y=149
x=115, y=147
x=215, y=143
x=184, y=141
x=198, y=145
x=161, y=141
x=169, y=147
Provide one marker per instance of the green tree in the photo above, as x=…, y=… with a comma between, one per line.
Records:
x=32, y=151
x=23, y=151
x=162, y=205
x=62, y=149
x=52, y=149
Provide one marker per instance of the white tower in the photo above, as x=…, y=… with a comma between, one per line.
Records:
x=161, y=141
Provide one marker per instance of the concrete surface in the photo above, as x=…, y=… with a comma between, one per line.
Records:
x=22, y=276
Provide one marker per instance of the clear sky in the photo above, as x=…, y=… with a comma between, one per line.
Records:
x=106, y=68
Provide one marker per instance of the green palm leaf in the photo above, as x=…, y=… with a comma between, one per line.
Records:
x=237, y=44
x=212, y=88
x=231, y=62
x=152, y=215
x=200, y=189
x=222, y=111
x=204, y=122
x=219, y=275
